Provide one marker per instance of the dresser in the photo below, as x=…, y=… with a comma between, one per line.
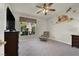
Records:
x=75, y=41
x=11, y=46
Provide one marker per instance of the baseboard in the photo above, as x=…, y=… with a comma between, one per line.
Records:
x=53, y=38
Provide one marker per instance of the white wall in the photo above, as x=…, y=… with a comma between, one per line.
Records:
x=2, y=26
x=62, y=31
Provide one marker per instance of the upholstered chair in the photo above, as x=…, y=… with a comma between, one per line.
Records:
x=45, y=36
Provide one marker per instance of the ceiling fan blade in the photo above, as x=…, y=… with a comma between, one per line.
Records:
x=44, y=5
x=52, y=10
x=39, y=6
x=68, y=9
x=45, y=13
x=74, y=11
x=50, y=4
x=39, y=11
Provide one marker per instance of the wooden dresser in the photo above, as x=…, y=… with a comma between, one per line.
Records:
x=75, y=41
x=11, y=46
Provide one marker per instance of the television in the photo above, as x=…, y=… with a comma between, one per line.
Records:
x=10, y=20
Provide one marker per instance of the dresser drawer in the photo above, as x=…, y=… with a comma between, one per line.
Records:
x=75, y=41
x=75, y=37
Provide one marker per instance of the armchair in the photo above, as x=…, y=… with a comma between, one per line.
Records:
x=45, y=36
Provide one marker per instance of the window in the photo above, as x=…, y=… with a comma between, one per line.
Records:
x=27, y=26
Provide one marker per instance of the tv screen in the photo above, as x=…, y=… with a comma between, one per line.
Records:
x=10, y=20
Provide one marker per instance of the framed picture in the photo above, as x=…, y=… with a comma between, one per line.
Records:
x=63, y=18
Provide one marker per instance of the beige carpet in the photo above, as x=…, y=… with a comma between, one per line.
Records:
x=35, y=47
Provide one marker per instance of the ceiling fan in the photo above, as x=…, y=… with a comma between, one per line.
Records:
x=45, y=8
x=69, y=9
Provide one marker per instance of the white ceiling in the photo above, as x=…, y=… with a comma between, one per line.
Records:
x=31, y=9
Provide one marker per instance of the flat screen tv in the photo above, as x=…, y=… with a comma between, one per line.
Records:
x=10, y=20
